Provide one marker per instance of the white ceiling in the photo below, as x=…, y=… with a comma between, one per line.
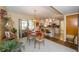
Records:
x=44, y=11
x=67, y=9
x=41, y=11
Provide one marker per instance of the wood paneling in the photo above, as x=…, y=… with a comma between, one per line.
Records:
x=72, y=24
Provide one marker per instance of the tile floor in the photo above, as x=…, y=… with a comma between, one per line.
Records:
x=48, y=47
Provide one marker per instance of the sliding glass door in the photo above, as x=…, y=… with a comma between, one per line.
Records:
x=24, y=25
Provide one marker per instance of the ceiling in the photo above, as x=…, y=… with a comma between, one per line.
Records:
x=44, y=11
x=41, y=11
x=67, y=9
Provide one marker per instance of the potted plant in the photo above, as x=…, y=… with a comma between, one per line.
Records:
x=8, y=46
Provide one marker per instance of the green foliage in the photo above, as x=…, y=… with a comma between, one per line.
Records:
x=14, y=30
x=8, y=45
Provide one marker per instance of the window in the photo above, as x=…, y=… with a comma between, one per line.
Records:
x=24, y=25
x=31, y=24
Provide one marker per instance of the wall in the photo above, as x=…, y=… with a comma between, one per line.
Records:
x=62, y=30
x=15, y=18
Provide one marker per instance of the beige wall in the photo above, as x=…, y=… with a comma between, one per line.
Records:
x=15, y=17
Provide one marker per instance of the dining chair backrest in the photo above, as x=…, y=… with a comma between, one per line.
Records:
x=29, y=32
x=39, y=34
